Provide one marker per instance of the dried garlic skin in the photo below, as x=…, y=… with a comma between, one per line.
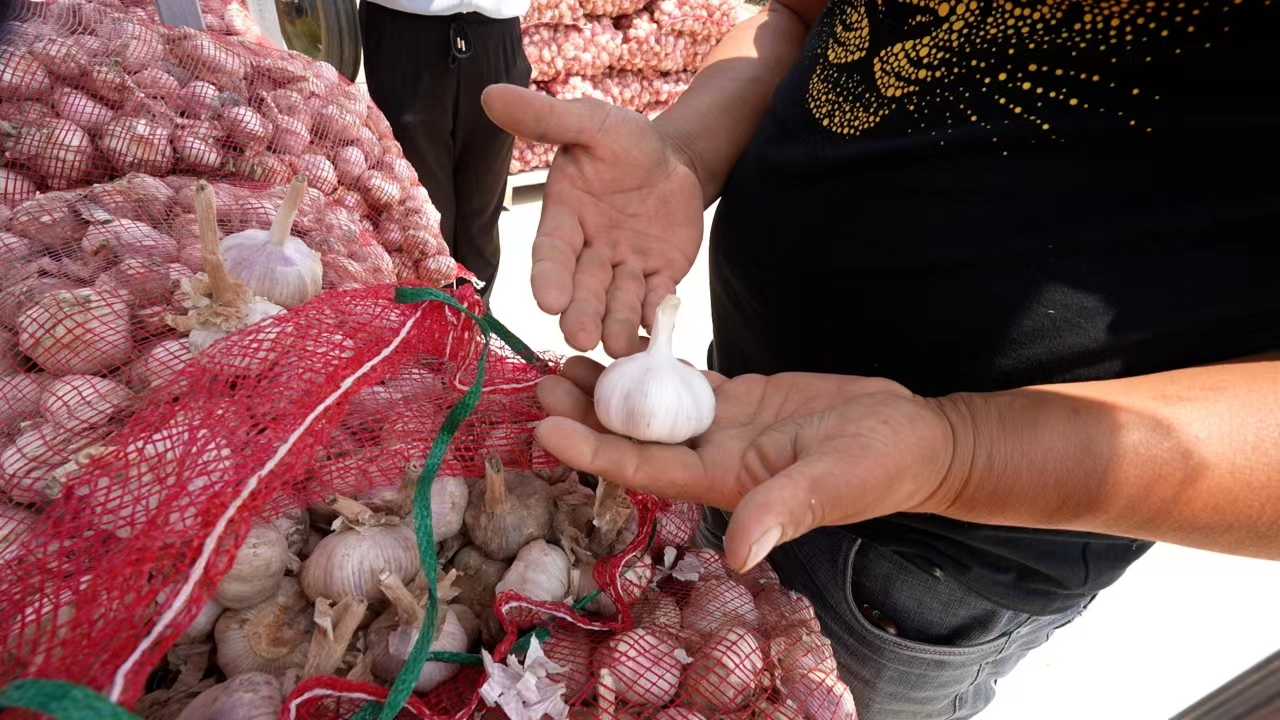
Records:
x=653, y=397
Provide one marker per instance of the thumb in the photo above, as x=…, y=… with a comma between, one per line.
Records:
x=782, y=508
x=541, y=118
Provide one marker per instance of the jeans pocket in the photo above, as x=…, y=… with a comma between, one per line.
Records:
x=1001, y=625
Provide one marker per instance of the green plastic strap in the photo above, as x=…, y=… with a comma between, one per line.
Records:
x=421, y=654
x=63, y=700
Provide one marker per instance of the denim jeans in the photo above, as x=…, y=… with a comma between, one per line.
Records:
x=952, y=645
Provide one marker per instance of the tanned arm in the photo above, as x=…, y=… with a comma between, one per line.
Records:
x=1189, y=456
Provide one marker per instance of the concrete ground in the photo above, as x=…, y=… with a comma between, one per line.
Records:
x=1177, y=626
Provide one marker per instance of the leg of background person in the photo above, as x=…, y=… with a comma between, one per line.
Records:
x=411, y=78
x=482, y=150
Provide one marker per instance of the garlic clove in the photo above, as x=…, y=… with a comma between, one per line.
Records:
x=258, y=570
x=202, y=626
x=653, y=397
x=272, y=263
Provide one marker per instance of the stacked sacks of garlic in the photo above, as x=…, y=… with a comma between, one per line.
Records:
x=90, y=92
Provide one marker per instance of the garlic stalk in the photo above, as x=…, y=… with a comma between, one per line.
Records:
x=218, y=304
x=653, y=397
x=348, y=562
x=271, y=637
x=272, y=263
x=257, y=571
x=336, y=625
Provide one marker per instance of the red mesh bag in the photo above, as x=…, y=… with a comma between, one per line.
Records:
x=221, y=17
x=90, y=94
x=646, y=45
x=554, y=12
x=347, y=394
x=588, y=48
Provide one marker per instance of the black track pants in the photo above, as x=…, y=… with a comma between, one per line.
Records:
x=426, y=73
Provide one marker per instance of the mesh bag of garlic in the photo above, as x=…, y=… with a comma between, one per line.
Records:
x=272, y=532
x=89, y=94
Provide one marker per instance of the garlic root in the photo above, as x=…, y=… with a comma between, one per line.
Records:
x=271, y=637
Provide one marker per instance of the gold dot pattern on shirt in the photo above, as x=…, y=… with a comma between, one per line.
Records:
x=957, y=64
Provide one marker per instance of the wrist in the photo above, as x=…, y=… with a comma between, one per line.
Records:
x=953, y=488
x=683, y=150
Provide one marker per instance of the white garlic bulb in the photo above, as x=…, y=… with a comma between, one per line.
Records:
x=652, y=396
x=251, y=696
x=272, y=263
x=540, y=572
x=271, y=637
x=392, y=636
x=257, y=571
x=218, y=304
x=202, y=626
x=349, y=562
x=81, y=402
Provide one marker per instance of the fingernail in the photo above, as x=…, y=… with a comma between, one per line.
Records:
x=761, y=547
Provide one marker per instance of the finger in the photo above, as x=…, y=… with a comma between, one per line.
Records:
x=542, y=118
x=561, y=398
x=622, y=311
x=583, y=372
x=657, y=288
x=581, y=321
x=555, y=254
x=782, y=508
x=671, y=471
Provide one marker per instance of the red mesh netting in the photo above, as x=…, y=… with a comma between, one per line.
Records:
x=90, y=94
x=221, y=17
x=114, y=574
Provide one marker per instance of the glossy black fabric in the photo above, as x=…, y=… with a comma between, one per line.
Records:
x=982, y=196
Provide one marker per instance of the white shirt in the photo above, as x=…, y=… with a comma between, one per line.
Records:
x=492, y=8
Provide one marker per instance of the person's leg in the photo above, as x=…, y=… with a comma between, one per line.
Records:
x=951, y=645
x=482, y=150
x=407, y=66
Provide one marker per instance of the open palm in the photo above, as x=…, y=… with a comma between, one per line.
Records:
x=621, y=216
x=786, y=453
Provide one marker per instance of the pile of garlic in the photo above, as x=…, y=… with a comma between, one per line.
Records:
x=339, y=589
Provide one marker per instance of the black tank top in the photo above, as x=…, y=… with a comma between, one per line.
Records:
x=975, y=196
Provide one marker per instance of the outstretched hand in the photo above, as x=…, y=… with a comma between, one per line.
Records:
x=621, y=215
x=787, y=453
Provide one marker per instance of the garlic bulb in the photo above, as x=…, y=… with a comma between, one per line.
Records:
x=250, y=696
x=257, y=571
x=449, y=495
x=349, y=562
x=634, y=582
x=200, y=628
x=478, y=575
x=508, y=510
x=77, y=332
x=271, y=637
x=392, y=636
x=272, y=263
x=540, y=572
x=218, y=304
x=653, y=397
x=80, y=402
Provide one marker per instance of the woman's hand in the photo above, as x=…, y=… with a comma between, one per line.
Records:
x=787, y=453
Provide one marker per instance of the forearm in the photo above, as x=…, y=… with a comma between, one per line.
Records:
x=1190, y=457
x=715, y=118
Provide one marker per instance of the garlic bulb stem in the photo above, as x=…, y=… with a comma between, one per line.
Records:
x=226, y=291
x=409, y=613
x=283, y=221
x=337, y=624
x=664, y=326
x=495, y=485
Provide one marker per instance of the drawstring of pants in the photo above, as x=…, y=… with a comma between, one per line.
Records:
x=459, y=42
